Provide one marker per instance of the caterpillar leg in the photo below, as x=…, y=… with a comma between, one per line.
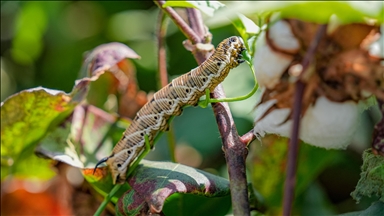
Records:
x=146, y=150
x=204, y=103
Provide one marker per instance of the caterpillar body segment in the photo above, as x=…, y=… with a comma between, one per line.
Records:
x=169, y=101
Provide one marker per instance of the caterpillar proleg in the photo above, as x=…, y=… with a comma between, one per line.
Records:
x=169, y=101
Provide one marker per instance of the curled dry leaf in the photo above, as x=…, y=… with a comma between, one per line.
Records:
x=342, y=73
x=113, y=58
x=106, y=56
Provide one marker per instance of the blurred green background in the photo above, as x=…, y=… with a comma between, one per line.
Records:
x=43, y=44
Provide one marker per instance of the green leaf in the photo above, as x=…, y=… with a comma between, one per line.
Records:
x=25, y=118
x=207, y=7
x=371, y=178
x=377, y=208
x=153, y=182
x=247, y=28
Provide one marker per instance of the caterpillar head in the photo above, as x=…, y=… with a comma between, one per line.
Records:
x=230, y=49
x=118, y=164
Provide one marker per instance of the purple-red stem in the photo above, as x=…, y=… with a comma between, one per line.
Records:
x=293, y=150
x=161, y=57
x=248, y=137
x=194, y=16
x=234, y=148
x=183, y=26
x=163, y=74
x=235, y=154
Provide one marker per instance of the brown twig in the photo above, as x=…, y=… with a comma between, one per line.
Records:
x=293, y=150
x=235, y=154
x=235, y=150
x=248, y=137
x=183, y=26
x=163, y=74
x=162, y=61
x=194, y=18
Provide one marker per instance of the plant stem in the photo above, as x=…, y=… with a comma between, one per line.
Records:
x=240, y=98
x=171, y=143
x=235, y=155
x=183, y=26
x=194, y=18
x=248, y=137
x=163, y=74
x=293, y=147
x=162, y=61
x=107, y=199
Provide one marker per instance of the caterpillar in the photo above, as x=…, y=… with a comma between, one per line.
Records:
x=169, y=101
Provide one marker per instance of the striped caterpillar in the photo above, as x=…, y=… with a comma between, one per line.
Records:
x=169, y=101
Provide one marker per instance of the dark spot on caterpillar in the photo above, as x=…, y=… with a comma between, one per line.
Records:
x=141, y=134
x=204, y=79
x=233, y=39
x=129, y=151
x=119, y=165
x=124, y=137
x=170, y=102
x=152, y=100
x=187, y=90
x=218, y=64
x=170, y=85
x=155, y=117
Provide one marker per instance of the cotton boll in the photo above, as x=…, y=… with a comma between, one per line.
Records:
x=376, y=48
x=269, y=65
x=327, y=124
x=282, y=37
x=272, y=122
